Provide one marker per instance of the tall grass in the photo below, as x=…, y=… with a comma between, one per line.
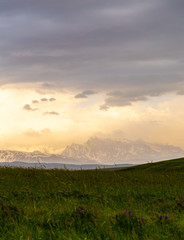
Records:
x=145, y=202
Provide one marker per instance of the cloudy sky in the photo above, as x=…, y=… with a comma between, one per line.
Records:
x=72, y=69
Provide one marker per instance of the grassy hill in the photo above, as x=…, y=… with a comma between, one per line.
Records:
x=163, y=166
x=141, y=202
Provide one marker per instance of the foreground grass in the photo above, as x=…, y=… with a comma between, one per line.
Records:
x=144, y=202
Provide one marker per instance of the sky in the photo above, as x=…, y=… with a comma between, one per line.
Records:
x=70, y=70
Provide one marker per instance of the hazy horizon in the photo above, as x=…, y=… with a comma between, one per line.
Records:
x=71, y=70
x=99, y=137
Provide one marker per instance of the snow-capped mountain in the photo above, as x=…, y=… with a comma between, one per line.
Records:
x=99, y=151
x=108, y=151
x=37, y=157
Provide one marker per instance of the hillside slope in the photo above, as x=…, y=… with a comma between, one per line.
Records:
x=163, y=166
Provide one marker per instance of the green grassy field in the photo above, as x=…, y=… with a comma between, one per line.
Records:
x=142, y=202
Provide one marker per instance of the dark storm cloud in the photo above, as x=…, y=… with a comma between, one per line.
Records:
x=110, y=46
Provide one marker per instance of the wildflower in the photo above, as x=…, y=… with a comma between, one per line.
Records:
x=166, y=217
x=122, y=214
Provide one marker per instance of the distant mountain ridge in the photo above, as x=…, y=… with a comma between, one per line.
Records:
x=110, y=151
x=61, y=165
x=99, y=151
x=36, y=157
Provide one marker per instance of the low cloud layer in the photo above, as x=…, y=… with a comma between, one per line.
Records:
x=113, y=47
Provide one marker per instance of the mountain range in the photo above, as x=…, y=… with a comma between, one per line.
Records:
x=110, y=151
x=99, y=151
x=61, y=165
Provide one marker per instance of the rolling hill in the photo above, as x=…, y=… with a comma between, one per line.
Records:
x=162, y=166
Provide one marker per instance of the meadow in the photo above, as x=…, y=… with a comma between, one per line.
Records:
x=141, y=202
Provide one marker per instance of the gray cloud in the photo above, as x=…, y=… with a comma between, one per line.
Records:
x=104, y=45
x=51, y=113
x=135, y=93
x=119, y=99
x=181, y=92
x=35, y=101
x=52, y=99
x=104, y=107
x=43, y=99
x=81, y=95
x=27, y=107
x=85, y=94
